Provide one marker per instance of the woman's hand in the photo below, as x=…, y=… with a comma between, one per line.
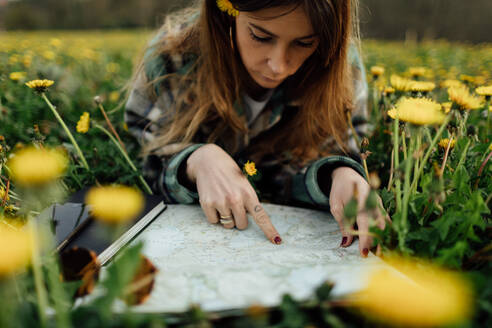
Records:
x=224, y=191
x=344, y=182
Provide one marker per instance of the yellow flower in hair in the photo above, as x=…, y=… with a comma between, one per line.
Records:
x=250, y=168
x=84, y=123
x=226, y=6
x=114, y=204
x=33, y=166
x=419, y=111
x=15, y=250
x=40, y=85
x=462, y=97
x=410, y=293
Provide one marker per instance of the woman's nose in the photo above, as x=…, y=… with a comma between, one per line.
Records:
x=278, y=61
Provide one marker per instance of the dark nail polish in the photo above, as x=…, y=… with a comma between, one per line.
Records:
x=277, y=240
x=365, y=252
x=344, y=241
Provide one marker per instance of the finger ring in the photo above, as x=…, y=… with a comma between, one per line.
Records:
x=225, y=221
x=225, y=216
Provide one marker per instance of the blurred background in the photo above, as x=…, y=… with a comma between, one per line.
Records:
x=455, y=20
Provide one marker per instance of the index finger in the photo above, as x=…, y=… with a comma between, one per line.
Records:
x=262, y=219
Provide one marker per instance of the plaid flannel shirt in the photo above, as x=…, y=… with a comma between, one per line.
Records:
x=284, y=179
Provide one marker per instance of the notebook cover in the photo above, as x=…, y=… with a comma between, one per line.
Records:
x=72, y=220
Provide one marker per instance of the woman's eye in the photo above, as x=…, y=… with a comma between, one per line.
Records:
x=305, y=44
x=259, y=39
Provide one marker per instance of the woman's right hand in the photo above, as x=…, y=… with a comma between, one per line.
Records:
x=224, y=191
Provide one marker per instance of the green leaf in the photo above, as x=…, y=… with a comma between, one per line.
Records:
x=119, y=275
x=444, y=223
x=453, y=256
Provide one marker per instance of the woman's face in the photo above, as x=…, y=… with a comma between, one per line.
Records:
x=272, y=49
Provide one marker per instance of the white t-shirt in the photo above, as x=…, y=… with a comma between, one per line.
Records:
x=253, y=107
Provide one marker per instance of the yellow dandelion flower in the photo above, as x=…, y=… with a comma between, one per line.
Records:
x=417, y=71
x=27, y=61
x=114, y=204
x=15, y=250
x=451, y=83
x=400, y=83
x=419, y=111
x=32, y=166
x=467, y=78
x=443, y=143
x=462, y=97
x=415, y=294
x=250, y=168
x=48, y=55
x=226, y=6
x=490, y=146
x=16, y=76
x=479, y=80
x=484, y=91
x=113, y=67
x=56, y=42
x=40, y=85
x=84, y=123
x=114, y=96
x=4, y=195
x=447, y=106
x=377, y=70
x=418, y=86
x=388, y=90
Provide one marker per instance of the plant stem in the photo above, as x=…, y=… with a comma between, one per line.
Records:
x=111, y=127
x=417, y=160
x=354, y=133
x=125, y=155
x=429, y=150
x=404, y=144
x=463, y=154
x=67, y=131
x=41, y=293
x=396, y=146
x=406, y=195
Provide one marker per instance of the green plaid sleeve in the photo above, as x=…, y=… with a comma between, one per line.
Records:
x=307, y=184
x=180, y=193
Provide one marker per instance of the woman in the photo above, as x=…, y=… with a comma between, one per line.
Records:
x=270, y=81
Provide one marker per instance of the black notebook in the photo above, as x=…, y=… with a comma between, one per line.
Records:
x=72, y=226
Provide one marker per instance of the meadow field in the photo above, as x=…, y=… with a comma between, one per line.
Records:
x=428, y=155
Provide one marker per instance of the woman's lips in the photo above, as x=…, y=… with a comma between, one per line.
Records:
x=269, y=79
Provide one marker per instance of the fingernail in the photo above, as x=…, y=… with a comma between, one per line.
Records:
x=365, y=252
x=344, y=240
x=277, y=240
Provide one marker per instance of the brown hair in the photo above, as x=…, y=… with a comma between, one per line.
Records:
x=322, y=85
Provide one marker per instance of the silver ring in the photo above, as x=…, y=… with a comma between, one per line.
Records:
x=226, y=221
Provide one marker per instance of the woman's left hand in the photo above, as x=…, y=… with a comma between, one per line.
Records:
x=344, y=182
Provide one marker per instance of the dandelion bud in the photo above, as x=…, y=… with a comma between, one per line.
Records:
x=364, y=144
x=372, y=200
x=98, y=100
x=374, y=180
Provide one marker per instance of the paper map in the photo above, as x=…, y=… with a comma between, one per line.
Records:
x=221, y=269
